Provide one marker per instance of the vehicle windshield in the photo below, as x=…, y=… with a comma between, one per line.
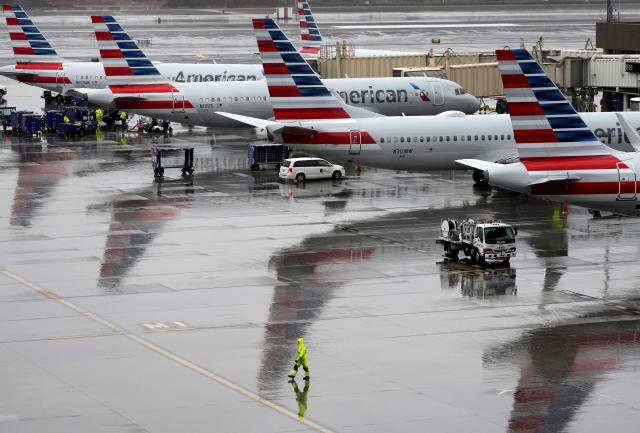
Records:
x=498, y=235
x=286, y=163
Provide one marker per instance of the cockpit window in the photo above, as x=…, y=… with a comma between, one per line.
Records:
x=460, y=91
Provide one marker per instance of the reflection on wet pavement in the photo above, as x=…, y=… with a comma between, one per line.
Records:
x=219, y=274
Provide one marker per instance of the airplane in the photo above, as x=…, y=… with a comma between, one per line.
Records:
x=311, y=39
x=136, y=85
x=39, y=64
x=560, y=158
x=309, y=118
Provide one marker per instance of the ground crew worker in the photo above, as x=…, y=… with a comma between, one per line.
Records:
x=65, y=119
x=301, y=360
x=123, y=119
x=301, y=397
x=98, y=116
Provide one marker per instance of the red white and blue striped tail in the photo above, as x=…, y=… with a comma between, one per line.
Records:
x=34, y=54
x=310, y=37
x=549, y=133
x=296, y=91
x=132, y=78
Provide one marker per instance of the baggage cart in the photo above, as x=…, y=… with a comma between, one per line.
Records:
x=169, y=157
x=267, y=154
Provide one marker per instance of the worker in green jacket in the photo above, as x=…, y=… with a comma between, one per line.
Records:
x=301, y=360
x=99, y=115
x=123, y=119
x=66, y=119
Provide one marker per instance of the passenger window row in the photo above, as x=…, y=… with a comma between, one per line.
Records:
x=441, y=138
x=234, y=99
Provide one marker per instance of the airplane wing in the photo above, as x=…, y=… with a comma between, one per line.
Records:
x=252, y=121
x=478, y=164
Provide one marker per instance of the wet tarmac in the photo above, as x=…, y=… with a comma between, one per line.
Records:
x=129, y=304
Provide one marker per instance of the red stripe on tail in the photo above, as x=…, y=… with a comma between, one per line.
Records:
x=514, y=81
x=542, y=136
x=505, y=55
x=267, y=46
x=525, y=109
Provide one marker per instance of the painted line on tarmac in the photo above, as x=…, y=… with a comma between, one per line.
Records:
x=166, y=353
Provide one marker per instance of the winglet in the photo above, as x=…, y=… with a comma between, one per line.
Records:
x=632, y=134
x=134, y=81
x=297, y=92
x=310, y=37
x=549, y=133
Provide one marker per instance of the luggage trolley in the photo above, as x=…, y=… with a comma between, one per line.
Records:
x=160, y=153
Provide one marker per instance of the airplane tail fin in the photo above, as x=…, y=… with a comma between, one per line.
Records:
x=549, y=133
x=36, y=59
x=310, y=37
x=296, y=91
x=134, y=81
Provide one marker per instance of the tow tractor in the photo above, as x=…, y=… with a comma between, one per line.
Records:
x=485, y=242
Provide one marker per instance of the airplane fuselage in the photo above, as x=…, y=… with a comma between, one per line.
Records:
x=428, y=143
x=410, y=96
x=91, y=74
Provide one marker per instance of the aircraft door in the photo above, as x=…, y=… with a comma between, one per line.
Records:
x=626, y=182
x=355, y=142
x=178, y=102
x=438, y=94
x=60, y=79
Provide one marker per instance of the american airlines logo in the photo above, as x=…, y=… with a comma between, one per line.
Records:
x=371, y=96
x=181, y=77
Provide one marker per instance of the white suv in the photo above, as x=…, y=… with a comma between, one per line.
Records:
x=300, y=169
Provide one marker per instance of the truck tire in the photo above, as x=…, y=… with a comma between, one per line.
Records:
x=475, y=257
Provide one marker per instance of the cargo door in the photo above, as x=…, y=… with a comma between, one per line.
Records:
x=178, y=102
x=355, y=142
x=626, y=182
x=60, y=79
x=438, y=93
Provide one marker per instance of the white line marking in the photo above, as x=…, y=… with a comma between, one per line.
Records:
x=166, y=353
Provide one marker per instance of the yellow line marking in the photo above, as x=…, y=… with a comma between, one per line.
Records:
x=166, y=353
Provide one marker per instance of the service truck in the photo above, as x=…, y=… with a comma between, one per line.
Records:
x=485, y=242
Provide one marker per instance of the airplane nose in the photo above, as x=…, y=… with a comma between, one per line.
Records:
x=473, y=103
